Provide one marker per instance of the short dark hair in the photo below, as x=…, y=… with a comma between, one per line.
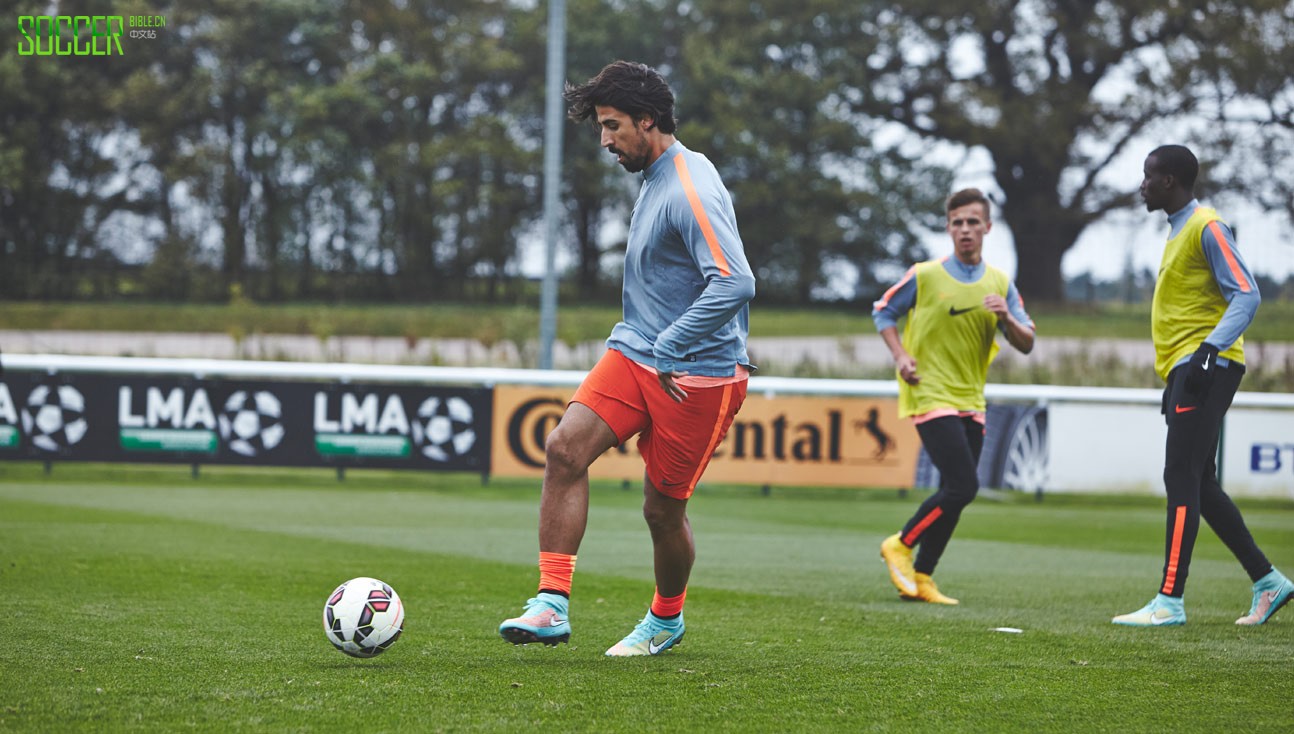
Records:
x=633, y=88
x=967, y=196
x=1179, y=162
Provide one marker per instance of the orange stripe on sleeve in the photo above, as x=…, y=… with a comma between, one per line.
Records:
x=698, y=211
x=1174, y=551
x=715, y=435
x=885, y=299
x=1230, y=257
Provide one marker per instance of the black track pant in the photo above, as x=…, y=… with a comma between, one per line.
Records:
x=954, y=444
x=1191, y=478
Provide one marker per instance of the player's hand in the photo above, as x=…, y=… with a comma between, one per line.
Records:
x=996, y=305
x=907, y=367
x=673, y=390
x=1201, y=368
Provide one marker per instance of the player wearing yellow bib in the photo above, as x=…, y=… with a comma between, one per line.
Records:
x=955, y=308
x=1204, y=300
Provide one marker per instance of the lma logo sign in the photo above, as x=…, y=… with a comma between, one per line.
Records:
x=9, y=433
x=175, y=420
x=376, y=425
x=183, y=419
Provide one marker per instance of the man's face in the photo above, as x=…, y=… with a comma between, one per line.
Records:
x=625, y=137
x=967, y=226
x=1155, y=185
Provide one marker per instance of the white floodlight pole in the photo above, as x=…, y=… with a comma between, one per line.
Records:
x=552, y=177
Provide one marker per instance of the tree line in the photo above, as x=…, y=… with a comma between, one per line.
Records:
x=392, y=150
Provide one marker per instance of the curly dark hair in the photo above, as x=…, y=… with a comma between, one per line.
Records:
x=633, y=88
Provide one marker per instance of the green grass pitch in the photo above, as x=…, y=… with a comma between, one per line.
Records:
x=145, y=599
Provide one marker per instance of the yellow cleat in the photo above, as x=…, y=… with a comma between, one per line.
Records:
x=898, y=559
x=928, y=592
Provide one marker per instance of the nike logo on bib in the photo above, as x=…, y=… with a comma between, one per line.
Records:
x=1184, y=408
x=959, y=311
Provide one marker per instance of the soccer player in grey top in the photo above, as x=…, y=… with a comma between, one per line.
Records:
x=675, y=371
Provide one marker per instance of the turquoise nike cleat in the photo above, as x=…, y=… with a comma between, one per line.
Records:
x=1271, y=592
x=544, y=620
x=1162, y=611
x=652, y=636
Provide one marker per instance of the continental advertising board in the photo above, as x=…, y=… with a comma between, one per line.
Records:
x=795, y=441
x=91, y=417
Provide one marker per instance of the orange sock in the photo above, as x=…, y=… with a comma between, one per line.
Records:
x=555, y=572
x=666, y=608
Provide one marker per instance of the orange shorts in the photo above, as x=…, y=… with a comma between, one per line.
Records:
x=676, y=440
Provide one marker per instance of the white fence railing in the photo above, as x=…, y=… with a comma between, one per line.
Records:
x=489, y=376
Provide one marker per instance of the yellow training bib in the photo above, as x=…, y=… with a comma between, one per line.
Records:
x=952, y=337
x=1188, y=303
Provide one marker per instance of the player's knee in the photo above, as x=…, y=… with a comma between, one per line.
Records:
x=1180, y=475
x=960, y=496
x=654, y=516
x=660, y=517
x=562, y=456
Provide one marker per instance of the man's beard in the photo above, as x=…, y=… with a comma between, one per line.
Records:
x=632, y=164
x=636, y=161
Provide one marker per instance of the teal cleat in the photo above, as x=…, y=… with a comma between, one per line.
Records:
x=1271, y=592
x=652, y=636
x=544, y=620
x=1162, y=611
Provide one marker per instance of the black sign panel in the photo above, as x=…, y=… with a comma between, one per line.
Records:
x=87, y=417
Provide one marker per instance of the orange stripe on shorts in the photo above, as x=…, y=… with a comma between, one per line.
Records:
x=714, y=435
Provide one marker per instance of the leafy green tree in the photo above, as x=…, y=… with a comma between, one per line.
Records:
x=597, y=193
x=392, y=149
x=1250, y=85
x=65, y=166
x=1055, y=91
x=761, y=82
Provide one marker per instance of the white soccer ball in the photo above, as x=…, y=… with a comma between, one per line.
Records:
x=363, y=617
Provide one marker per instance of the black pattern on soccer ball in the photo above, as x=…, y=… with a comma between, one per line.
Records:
x=443, y=428
x=251, y=425
x=54, y=417
x=363, y=617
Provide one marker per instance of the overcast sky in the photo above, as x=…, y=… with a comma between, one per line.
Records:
x=1104, y=248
